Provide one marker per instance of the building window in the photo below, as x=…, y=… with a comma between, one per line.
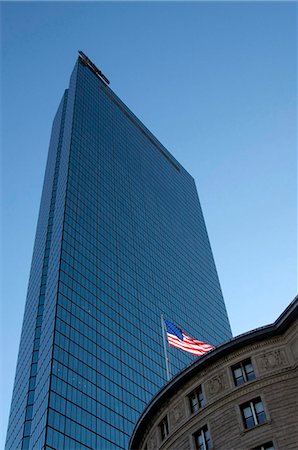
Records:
x=196, y=400
x=164, y=428
x=243, y=372
x=253, y=413
x=267, y=446
x=203, y=439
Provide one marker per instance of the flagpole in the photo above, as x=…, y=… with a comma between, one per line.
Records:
x=165, y=347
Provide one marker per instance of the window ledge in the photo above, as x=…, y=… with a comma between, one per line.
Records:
x=247, y=430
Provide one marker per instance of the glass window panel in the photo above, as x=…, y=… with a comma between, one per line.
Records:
x=203, y=439
x=243, y=372
x=253, y=413
x=249, y=370
x=196, y=400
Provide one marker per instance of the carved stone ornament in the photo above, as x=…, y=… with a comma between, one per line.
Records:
x=217, y=384
x=294, y=347
x=177, y=414
x=152, y=443
x=272, y=360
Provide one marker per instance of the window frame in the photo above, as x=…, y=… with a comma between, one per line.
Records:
x=200, y=403
x=245, y=374
x=207, y=441
x=267, y=446
x=164, y=428
x=255, y=415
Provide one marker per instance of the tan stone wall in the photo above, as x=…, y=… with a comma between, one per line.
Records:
x=275, y=363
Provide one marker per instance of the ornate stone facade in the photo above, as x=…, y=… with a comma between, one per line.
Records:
x=272, y=360
x=273, y=354
x=216, y=385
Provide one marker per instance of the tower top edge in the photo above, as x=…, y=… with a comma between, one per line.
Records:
x=85, y=60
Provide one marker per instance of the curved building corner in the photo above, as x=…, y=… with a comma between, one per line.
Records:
x=243, y=395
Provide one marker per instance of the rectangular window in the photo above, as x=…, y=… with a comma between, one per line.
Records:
x=203, y=439
x=253, y=413
x=26, y=443
x=196, y=400
x=267, y=446
x=164, y=428
x=243, y=372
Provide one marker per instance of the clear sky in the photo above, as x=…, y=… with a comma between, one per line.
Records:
x=215, y=82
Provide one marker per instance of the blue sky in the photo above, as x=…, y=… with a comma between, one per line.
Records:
x=215, y=82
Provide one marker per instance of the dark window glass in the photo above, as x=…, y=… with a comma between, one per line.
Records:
x=203, y=439
x=243, y=372
x=26, y=443
x=27, y=428
x=253, y=413
x=164, y=428
x=267, y=446
x=260, y=413
x=30, y=397
x=249, y=371
x=196, y=400
x=29, y=412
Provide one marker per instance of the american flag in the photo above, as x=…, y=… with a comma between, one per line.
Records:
x=177, y=338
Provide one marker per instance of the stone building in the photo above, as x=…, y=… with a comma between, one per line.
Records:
x=243, y=395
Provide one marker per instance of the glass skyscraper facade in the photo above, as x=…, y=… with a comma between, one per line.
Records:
x=120, y=240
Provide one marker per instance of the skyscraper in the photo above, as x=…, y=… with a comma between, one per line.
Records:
x=120, y=240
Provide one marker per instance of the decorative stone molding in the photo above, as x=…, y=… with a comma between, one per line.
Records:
x=217, y=384
x=294, y=348
x=184, y=445
x=240, y=354
x=152, y=443
x=272, y=360
x=177, y=414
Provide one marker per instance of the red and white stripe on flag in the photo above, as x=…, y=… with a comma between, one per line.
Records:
x=188, y=344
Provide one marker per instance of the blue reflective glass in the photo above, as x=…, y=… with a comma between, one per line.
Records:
x=121, y=239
